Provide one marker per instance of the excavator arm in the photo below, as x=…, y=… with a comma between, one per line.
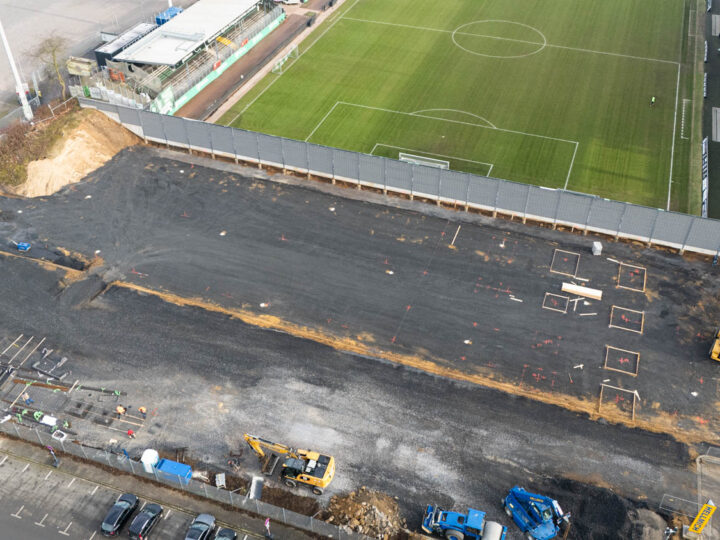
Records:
x=258, y=444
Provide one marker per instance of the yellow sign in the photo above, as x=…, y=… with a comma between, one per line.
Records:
x=703, y=517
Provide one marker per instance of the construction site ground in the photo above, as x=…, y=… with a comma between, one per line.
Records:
x=416, y=344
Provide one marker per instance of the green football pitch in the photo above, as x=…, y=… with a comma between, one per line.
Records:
x=554, y=93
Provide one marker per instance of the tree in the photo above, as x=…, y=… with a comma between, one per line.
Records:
x=51, y=52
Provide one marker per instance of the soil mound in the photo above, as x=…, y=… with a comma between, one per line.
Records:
x=368, y=512
x=85, y=146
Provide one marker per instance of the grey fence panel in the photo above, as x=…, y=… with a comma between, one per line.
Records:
x=295, y=153
x=483, y=191
x=372, y=169
x=454, y=185
x=398, y=175
x=320, y=159
x=573, y=208
x=152, y=124
x=605, y=215
x=198, y=135
x=221, y=139
x=346, y=164
x=270, y=149
x=542, y=202
x=129, y=116
x=107, y=107
x=175, y=129
x=705, y=234
x=638, y=221
x=511, y=197
x=246, y=144
x=672, y=228
x=426, y=180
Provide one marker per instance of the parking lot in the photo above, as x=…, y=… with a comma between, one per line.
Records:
x=42, y=502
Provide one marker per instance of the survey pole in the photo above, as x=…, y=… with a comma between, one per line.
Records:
x=27, y=111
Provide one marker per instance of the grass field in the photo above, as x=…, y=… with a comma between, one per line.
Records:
x=549, y=93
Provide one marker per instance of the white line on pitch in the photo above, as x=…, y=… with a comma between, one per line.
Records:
x=17, y=514
x=511, y=39
x=672, y=148
x=40, y=523
x=66, y=528
x=321, y=121
x=572, y=162
x=295, y=62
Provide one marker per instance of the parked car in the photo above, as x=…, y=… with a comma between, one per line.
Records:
x=225, y=534
x=145, y=521
x=118, y=514
x=201, y=528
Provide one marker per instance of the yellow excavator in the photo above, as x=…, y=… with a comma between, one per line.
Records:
x=303, y=467
x=715, y=347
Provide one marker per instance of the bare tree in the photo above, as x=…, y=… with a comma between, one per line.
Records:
x=51, y=52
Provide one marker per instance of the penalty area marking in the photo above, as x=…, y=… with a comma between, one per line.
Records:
x=490, y=124
x=429, y=154
x=460, y=122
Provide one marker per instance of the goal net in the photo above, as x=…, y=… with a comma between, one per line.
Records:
x=422, y=160
x=282, y=64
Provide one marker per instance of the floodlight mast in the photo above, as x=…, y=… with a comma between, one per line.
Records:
x=27, y=111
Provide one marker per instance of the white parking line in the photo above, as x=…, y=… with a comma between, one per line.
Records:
x=48, y=475
x=66, y=528
x=17, y=514
x=40, y=523
x=93, y=536
x=168, y=514
x=71, y=482
x=26, y=468
x=3, y=460
x=94, y=490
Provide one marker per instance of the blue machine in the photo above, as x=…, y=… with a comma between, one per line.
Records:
x=457, y=526
x=164, y=16
x=538, y=516
x=22, y=246
x=172, y=470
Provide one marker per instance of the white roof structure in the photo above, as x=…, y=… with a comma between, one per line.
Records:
x=175, y=40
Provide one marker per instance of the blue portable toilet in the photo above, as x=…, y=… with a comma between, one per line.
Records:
x=172, y=470
x=164, y=16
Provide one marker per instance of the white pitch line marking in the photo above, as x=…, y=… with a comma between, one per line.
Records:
x=321, y=121
x=66, y=528
x=591, y=51
x=295, y=62
x=71, y=482
x=40, y=523
x=672, y=148
x=461, y=112
x=17, y=514
x=572, y=162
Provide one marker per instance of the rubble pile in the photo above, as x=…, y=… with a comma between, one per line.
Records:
x=368, y=512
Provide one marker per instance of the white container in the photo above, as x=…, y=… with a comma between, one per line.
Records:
x=597, y=248
x=149, y=459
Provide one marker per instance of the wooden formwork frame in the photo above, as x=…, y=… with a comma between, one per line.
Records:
x=620, y=269
x=577, y=263
x=637, y=363
x=633, y=393
x=642, y=320
x=566, y=298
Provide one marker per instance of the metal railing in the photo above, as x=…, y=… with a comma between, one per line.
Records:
x=122, y=461
x=556, y=207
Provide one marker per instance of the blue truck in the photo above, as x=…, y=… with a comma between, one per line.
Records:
x=538, y=516
x=459, y=526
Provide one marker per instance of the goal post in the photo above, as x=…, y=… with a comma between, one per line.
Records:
x=423, y=160
x=280, y=65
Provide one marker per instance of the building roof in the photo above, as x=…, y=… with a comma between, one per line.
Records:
x=176, y=40
x=126, y=38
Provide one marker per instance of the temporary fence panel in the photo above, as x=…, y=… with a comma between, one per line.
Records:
x=553, y=206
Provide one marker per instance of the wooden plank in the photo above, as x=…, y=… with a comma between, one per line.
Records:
x=595, y=294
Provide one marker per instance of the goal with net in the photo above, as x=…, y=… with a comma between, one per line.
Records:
x=280, y=65
x=422, y=160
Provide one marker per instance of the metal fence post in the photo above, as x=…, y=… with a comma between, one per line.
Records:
x=142, y=126
x=652, y=231
x=307, y=158
x=107, y=457
x=231, y=501
x=412, y=182
x=257, y=149
x=38, y=436
x=467, y=193
x=439, y=185
x=205, y=489
x=131, y=466
x=384, y=176
x=83, y=451
x=16, y=431
x=180, y=481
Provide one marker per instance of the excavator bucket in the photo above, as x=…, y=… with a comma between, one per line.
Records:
x=269, y=464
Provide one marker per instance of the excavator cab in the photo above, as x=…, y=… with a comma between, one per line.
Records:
x=715, y=347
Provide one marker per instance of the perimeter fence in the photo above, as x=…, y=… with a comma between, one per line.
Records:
x=120, y=460
x=556, y=207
